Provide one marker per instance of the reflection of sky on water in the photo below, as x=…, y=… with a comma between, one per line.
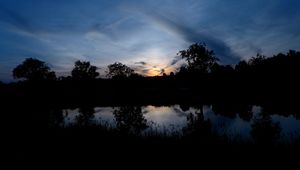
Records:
x=173, y=119
x=70, y=116
x=101, y=115
x=225, y=125
x=165, y=117
x=104, y=115
x=290, y=126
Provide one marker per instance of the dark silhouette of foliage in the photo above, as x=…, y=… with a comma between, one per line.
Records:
x=258, y=60
x=56, y=118
x=197, y=126
x=264, y=131
x=242, y=67
x=33, y=70
x=130, y=119
x=183, y=71
x=199, y=58
x=244, y=111
x=184, y=107
x=83, y=70
x=222, y=69
x=231, y=110
x=119, y=70
x=85, y=116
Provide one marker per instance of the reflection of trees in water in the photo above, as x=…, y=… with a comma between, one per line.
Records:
x=56, y=118
x=231, y=110
x=285, y=109
x=197, y=126
x=130, y=119
x=184, y=107
x=85, y=116
x=245, y=112
x=264, y=131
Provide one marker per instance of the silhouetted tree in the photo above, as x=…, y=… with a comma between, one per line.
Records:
x=222, y=69
x=242, y=66
x=183, y=71
x=119, y=70
x=135, y=76
x=33, y=70
x=83, y=70
x=130, y=119
x=259, y=59
x=199, y=58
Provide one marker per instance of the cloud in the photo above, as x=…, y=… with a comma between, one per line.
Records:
x=152, y=70
x=190, y=35
x=175, y=60
x=143, y=68
x=14, y=19
x=141, y=63
x=145, y=71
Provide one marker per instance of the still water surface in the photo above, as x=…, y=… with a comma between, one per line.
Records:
x=170, y=120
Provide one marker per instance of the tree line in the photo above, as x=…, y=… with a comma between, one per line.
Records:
x=199, y=61
x=35, y=70
x=202, y=79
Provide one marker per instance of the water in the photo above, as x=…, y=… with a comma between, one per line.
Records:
x=247, y=124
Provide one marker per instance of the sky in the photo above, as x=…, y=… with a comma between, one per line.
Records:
x=143, y=34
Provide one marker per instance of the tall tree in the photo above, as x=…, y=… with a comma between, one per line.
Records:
x=258, y=60
x=199, y=57
x=33, y=70
x=83, y=70
x=119, y=70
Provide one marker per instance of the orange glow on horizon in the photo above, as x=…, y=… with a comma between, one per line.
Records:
x=152, y=72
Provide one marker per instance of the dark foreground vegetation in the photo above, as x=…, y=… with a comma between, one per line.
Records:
x=32, y=108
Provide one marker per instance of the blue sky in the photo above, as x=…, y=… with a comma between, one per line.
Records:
x=143, y=34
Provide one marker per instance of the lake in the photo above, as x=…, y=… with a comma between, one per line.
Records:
x=249, y=123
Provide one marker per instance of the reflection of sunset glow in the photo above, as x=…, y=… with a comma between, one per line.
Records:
x=164, y=117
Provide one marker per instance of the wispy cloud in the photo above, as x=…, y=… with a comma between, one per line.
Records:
x=141, y=63
x=192, y=35
x=14, y=19
x=175, y=60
